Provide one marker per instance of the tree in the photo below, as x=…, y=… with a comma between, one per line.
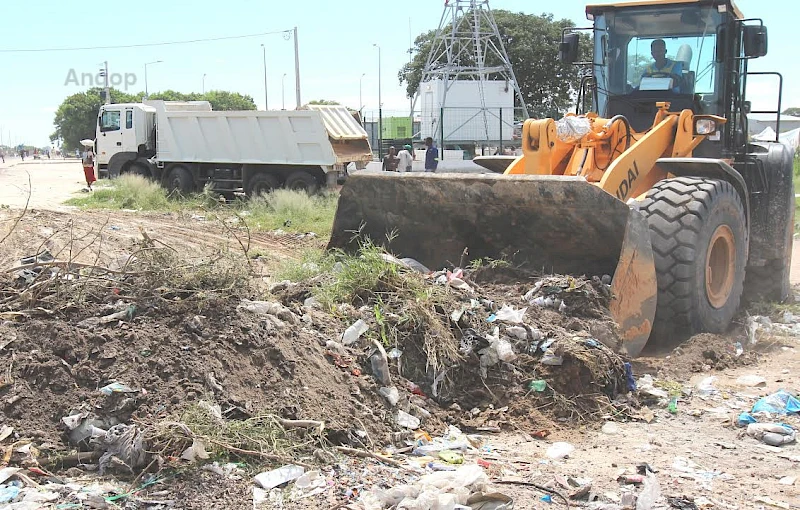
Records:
x=324, y=102
x=794, y=111
x=548, y=85
x=76, y=118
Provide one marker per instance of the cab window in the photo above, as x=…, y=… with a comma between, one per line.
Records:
x=109, y=121
x=128, y=119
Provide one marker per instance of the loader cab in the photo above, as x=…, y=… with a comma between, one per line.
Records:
x=692, y=53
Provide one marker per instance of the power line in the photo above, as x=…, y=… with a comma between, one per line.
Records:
x=121, y=46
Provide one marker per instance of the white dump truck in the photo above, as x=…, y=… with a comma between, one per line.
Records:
x=186, y=145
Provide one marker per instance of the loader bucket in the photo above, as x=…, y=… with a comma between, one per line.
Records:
x=553, y=224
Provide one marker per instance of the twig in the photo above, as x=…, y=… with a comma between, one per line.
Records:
x=302, y=424
x=141, y=473
x=253, y=453
x=369, y=455
x=536, y=486
x=65, y=263
x=24, y=211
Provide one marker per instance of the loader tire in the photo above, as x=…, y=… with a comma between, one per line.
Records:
x=697, y=229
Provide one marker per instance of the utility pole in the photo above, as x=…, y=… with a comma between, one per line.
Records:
x=266, y=98
x=104, y=74
x=297, y=68
x=380, y=107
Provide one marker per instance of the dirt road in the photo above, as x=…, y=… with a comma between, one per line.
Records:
x=53, y=181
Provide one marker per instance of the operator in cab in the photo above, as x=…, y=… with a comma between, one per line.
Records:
x=662, y=67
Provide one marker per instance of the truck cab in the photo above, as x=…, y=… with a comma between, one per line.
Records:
x=125, y=132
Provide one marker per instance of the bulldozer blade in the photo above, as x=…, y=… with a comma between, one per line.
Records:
x=497, y=164
x=555, y=224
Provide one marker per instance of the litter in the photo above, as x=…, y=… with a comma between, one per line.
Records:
x=538, y=385
x=560, y=450
x=781, y=402
x=406, y=420
x=610, y=428
x=751, y=381
x=354, y=332
x=116, y=387
x=390, y=394
x=773, y=434
x=510, y=314
x=271, y=479
x=706, y=387
x=745, y=419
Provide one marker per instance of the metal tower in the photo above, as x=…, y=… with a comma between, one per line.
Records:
x=468, y=46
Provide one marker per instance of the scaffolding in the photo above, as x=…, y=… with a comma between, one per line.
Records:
x=469, y=46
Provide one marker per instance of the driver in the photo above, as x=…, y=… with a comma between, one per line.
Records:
x=662, y=67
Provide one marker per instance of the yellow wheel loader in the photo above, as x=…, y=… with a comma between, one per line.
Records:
x=656, y=186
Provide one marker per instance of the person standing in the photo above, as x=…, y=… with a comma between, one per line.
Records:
x=390, y=161
x=431, y=155
x=88, y=167
x=405, y=158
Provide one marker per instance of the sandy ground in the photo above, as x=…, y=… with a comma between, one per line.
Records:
x=53, y=181
x=730, y=469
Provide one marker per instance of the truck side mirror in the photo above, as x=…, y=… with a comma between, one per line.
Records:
x=568, y=48
x=755, y=41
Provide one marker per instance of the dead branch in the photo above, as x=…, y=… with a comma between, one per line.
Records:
x=67, y=264
x=268, y=456
x=24, y=211
x=369, y=455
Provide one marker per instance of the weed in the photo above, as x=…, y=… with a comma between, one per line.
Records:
x=129, y=192
x=312, y=263
x=488, y=262
x=291, y=210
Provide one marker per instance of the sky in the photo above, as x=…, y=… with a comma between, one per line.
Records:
x=338, y=60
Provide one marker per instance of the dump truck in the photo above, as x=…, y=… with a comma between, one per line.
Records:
x=186, y=146
x=652, y=180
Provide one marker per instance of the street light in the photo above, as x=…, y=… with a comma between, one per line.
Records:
x=146, y=94
x=283, y=92
x=266, y=100
x=360, y=102
x=204, y=83
x=380, y=106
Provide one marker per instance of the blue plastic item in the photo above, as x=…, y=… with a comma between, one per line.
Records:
x=8, y=493
x=745, y=419
x=629, y=377
x=781, y=402
x=547, y=498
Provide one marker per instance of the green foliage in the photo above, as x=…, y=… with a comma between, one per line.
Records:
x=323, y=102
x=76, y=117
x=292, y=210
x=312, y=263
x=220, y=100
x=548, y=85
x=127, y=192
x=794, y=110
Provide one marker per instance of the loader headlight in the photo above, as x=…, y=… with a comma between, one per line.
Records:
x=705, y=126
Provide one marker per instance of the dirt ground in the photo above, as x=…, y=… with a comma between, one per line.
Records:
x=253, y=364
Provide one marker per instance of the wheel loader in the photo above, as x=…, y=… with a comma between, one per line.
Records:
x=652, y=180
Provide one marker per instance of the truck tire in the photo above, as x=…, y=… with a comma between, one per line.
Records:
x=139, y=169
x=261, y=183
x=301, y=180
x=180, y=180
x=699, y=238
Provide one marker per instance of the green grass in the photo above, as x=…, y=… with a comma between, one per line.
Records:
x=292, y=211
x=132, y=192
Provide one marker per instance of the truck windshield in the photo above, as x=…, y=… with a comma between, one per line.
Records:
x=109, y=121
x=651, y=51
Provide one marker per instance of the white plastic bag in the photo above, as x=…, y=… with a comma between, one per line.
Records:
x=572, y=128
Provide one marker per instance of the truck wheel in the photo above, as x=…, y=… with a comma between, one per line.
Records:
x=697, y=229
x=302, y=181
x=180, y=180
x=261, y=184
x=139, y=169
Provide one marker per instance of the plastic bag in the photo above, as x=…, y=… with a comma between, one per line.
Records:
x=650, y=493
x=773, y=434
x=781, y=402
x=572, y=128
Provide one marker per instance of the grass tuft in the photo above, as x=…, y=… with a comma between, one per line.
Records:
x=292, y=211
x=128, y=192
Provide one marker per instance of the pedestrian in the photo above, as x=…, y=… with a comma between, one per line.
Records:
x=3, y=156
x=405, y=158
x=390, y=161
x=88, y=167
x=431, y=155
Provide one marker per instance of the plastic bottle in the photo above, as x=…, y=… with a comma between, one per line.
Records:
x=673, y=405
x=354, y=332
